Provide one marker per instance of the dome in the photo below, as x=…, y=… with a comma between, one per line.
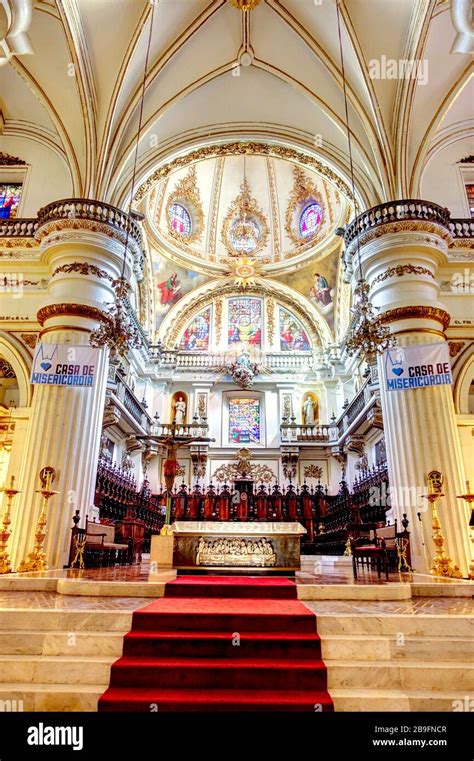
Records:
x=209, y=212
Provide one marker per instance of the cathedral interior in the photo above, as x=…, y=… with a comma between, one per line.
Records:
x=224, y=225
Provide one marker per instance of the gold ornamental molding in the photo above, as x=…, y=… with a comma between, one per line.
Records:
x=402, y=269
x=253, y=148
x=70, y=310
x=186, y=193
x=303, y=192
x=83, y=268
x=243, y=211
x=416, y=312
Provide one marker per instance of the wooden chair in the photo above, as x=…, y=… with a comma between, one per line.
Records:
x=97, y=546
x=367, y=546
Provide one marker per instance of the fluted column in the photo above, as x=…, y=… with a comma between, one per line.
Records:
x=401, y=253
x=84, y=257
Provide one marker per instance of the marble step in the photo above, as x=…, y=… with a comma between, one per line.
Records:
x=400, y=675
x=372, y=648
x=393, y=625
x=18, y=696
x=399, y=700
x=59, y=669
x=65, y=620
x=61, y=643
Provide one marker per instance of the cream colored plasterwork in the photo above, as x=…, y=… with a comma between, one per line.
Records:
x=242, y=149
x=272, y=191
x=214, y=210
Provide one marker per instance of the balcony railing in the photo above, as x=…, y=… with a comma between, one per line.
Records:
x=293, y=433
x=18, y=228
x=132, y=404
x=462, y=228
x=396, y=211
x=215, y=361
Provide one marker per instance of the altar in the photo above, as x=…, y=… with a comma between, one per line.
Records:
x=233, y=547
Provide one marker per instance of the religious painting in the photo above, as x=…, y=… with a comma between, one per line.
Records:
x=317, y=282
x=292, y=335
x=10, y=194
x=196, y=335
x=244, y=421
x=169, y=289
x=171, y=283
x=321, y=292
x=245, y=321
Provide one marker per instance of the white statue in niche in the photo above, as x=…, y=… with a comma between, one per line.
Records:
x=308, y=411
x=179, y=411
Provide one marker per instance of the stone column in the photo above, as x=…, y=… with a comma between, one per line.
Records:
x=400, y=261
x=84, y=257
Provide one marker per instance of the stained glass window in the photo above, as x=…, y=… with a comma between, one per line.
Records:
x=244, y=235
x=244, y=421
x=245, y=321
x=196, y=335
x=10, y=194
x=292, y=335
x=310, y=219
x=180, y=219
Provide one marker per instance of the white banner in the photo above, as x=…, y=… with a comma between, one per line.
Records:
x=421, y=366
x=64, y=365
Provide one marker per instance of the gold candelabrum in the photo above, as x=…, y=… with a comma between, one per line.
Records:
x=441, y=564
x=469, y=498
x=36, y=560
x=10, y=493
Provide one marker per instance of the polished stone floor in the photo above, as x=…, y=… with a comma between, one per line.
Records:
x=421, y=606
x=314, y=570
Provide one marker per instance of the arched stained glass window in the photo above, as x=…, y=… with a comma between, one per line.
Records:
x=180, y=220
x=196, y=335
x=310, y=220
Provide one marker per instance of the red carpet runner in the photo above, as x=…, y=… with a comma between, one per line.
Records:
x=221, y=644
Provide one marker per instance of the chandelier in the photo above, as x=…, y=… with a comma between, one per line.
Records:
x=245, y=5
x=367, y=335
x=117, y=331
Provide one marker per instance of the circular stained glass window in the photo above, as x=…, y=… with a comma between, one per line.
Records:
x=310, y=220
x=244, y=235
x=180, y=220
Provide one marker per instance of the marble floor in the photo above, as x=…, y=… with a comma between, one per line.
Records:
x=315, y=569
x=420, y=606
